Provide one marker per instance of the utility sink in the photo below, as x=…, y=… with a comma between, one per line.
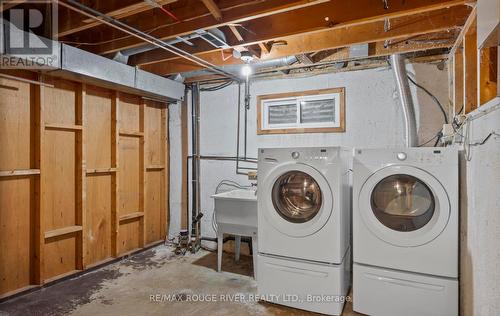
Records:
x=236, y=212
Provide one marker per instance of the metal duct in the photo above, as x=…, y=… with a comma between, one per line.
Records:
x=122, y=56
x=399, y=69
x=236, y=69
x=79, y=65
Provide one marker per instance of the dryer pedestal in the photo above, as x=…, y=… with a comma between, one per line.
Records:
x=386, y=292
x=311, y=286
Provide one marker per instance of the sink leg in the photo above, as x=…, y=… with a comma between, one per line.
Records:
x=255, y=252
x=237, y=247
x=220, y=245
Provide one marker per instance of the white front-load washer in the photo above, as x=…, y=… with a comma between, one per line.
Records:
x=304, y=227
x=405, y=231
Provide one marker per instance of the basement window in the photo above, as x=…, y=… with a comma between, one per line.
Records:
x=316, y=111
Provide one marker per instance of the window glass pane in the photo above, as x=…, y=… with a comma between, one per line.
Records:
x=317, y=111
x=282, y=114
x=402, y=202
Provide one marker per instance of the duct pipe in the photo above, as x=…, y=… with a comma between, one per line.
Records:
x=117, y=24
x=399, y=69
x=236, y=69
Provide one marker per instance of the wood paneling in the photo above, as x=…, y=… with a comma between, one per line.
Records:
x=15, y=136
x=98, y=112
x=19, y=180
x=470, y=68
x=98, y=230
x=15, y=233
x=153, y=206
x=80, y=176
x=59, y=256
x=154, y=160
x=99, y=132
x=129, y=238
x=131, y=173
x=488, y=61
x=59, y=179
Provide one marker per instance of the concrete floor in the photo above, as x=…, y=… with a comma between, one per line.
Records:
x=126, y=288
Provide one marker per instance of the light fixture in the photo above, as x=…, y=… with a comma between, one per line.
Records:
x=246, y=70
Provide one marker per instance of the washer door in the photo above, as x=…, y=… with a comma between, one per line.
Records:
x=297, y=199
x=404, y=206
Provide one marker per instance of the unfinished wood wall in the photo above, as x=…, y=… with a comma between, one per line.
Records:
x=473, y=71
x=82, y=178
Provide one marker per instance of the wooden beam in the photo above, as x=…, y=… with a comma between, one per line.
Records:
x=304, y=59
x=192, y=18
x=321, y=55
x=403, y=27
x=80, y=177
x=115, y=162
x=130, y=216
x=62, y=231
x=422, y=57
x=265, y=47
x=470, y=68
x=19, y=173
x=236, y=33
x=213, y=8
x=73, y=22
x=369, y=32
x=270, y=22
x=458, y=80
x=9, y=5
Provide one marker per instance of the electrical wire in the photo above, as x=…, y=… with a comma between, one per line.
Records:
x=430, y=140
x=433, y=98
x=218, y=87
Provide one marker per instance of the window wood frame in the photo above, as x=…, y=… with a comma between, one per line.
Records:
x=260, y=110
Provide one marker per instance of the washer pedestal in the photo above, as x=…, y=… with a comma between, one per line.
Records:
x=311, y=286
x=386, y=292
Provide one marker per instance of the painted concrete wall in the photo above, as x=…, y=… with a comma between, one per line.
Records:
x=480, y=219
x=373, y=119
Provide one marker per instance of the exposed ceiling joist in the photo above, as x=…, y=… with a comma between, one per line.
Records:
x=304, y=59
x=9, y=5
x=402, y=27
x=273, y=19
x=213, y=8
x=192, y=18
x=265, y=47
x=277, y=28
x=236, y=33
x=73, y=22
x=429, y=54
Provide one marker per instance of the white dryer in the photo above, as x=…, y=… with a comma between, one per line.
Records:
x=405, y=231
x=304, y=227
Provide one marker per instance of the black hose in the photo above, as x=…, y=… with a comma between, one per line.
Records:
x=445, y=116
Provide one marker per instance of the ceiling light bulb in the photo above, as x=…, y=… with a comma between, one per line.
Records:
x=246, y=70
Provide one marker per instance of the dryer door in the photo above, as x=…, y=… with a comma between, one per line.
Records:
x=404, y=206
x=297, y=199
